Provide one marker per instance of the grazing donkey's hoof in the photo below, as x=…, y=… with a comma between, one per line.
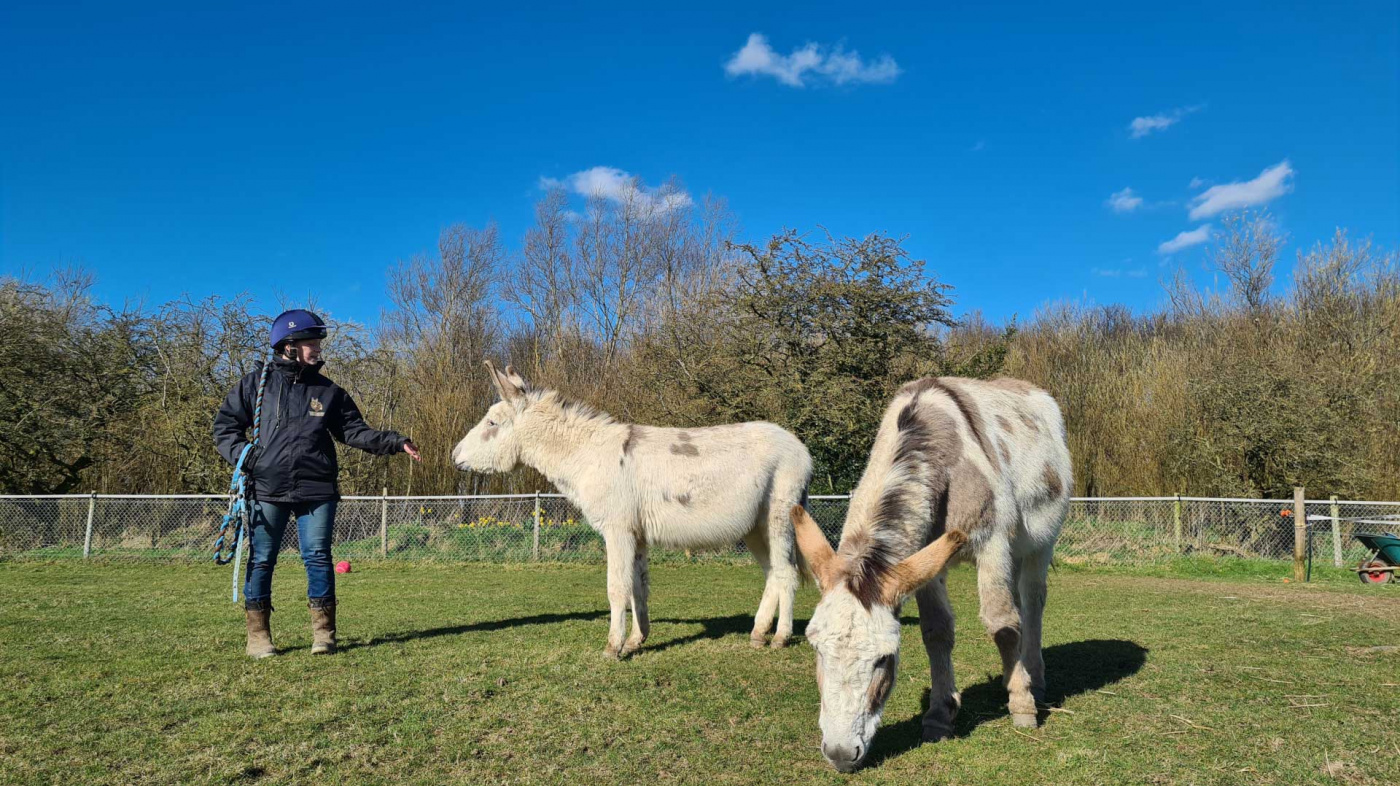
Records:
x=938, y=720
x=779, y=642
x=612, y=653
x=936, y=732
x=758, y=641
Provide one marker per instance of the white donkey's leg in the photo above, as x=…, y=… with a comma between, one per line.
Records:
x=757, y=543
x=620, y=546
x=782, y=555
x=936, y=624
x=641, y=588
x=996, y=582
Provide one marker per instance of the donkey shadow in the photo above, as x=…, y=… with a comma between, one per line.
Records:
x=475, y=627
x=710, y=628
x=1070, y=670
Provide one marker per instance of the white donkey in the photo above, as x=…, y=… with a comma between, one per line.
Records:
x=959, y=460
x=643, y=485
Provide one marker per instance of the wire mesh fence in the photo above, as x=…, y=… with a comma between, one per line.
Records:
x=547, y=528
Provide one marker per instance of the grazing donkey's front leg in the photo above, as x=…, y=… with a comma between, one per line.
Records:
x=641, y=587
x=936, y=624
x=621, y=547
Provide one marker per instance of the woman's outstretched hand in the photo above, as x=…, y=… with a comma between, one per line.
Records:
x=412, y=451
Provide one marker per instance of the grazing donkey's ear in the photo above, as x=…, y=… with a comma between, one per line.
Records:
x=507, y=389
x=821, y=558
x=920, y=567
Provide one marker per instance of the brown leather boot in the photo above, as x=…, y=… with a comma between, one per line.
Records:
x=260, y=633
x=323, y=629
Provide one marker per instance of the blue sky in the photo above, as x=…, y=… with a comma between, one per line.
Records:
x=305, y=148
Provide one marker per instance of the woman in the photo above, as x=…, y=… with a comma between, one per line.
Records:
x=293, y=469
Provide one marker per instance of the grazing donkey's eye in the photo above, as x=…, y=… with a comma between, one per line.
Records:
x=881, y=684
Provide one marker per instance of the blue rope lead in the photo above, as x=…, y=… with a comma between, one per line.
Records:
x=236, y=520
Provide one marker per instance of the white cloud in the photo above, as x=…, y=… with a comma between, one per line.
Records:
x=1271, y=184
x=1196, y=182
x=1142, y=126
x=834, y=65
x=617, y=186
x=1193, y=237
x=1124, y=201
x=979, y=147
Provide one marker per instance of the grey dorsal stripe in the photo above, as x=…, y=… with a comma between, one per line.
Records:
x=973, y=417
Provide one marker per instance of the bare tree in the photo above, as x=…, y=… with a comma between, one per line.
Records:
x=1246, y=255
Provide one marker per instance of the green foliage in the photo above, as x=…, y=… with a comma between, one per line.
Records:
x=657, y=319
x=817, y=338
x=69, y=371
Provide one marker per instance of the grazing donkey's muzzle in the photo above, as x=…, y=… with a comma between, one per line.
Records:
x=843, y=758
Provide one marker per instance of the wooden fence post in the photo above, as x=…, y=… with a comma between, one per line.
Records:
x=1336, y=535
x=384, y=523
x=537, y=526
x=87, y=538
x=1300, y=533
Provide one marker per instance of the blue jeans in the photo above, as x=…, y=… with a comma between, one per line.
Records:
x=314, y=523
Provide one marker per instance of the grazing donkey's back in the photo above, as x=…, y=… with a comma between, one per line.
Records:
x=646, y=485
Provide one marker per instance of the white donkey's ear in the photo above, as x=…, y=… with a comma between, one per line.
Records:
x=812, y=543
x=516, y=379
x=505, y=387
x=920, y=567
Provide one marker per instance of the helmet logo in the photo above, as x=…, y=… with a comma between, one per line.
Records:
x=291, y=324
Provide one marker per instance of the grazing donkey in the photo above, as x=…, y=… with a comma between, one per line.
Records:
x=640, y=486
x=963, y=461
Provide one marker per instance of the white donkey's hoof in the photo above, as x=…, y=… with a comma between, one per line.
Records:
x=758, y=642
x=779, y=642
x=612, y=653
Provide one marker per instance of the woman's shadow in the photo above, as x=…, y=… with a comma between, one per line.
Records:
x=1070, y=669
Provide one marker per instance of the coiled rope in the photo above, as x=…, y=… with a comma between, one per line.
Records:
x=233, y=532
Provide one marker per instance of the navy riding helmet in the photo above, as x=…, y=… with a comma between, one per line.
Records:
x=296, y=325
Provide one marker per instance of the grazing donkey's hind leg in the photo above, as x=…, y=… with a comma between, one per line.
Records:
x=757, y=543
x=641, y=588
x=996, y=582
x=1031, y=593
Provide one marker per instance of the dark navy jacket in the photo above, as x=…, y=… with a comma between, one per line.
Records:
x=302, y=412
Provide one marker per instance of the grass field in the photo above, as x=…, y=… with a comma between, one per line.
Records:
x=484, y=674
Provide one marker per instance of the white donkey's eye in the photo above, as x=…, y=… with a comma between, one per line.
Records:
x=490, y=422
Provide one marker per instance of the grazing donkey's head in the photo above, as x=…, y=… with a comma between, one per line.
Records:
x=493, y=445
x=855, y=631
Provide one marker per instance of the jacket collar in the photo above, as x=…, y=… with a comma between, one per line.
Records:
x=294, y=371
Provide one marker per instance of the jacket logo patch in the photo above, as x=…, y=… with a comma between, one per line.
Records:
x=317, y=411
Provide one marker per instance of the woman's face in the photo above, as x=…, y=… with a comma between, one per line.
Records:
x=306, y=352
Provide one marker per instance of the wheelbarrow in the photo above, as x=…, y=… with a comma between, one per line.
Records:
x=1384, y=561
